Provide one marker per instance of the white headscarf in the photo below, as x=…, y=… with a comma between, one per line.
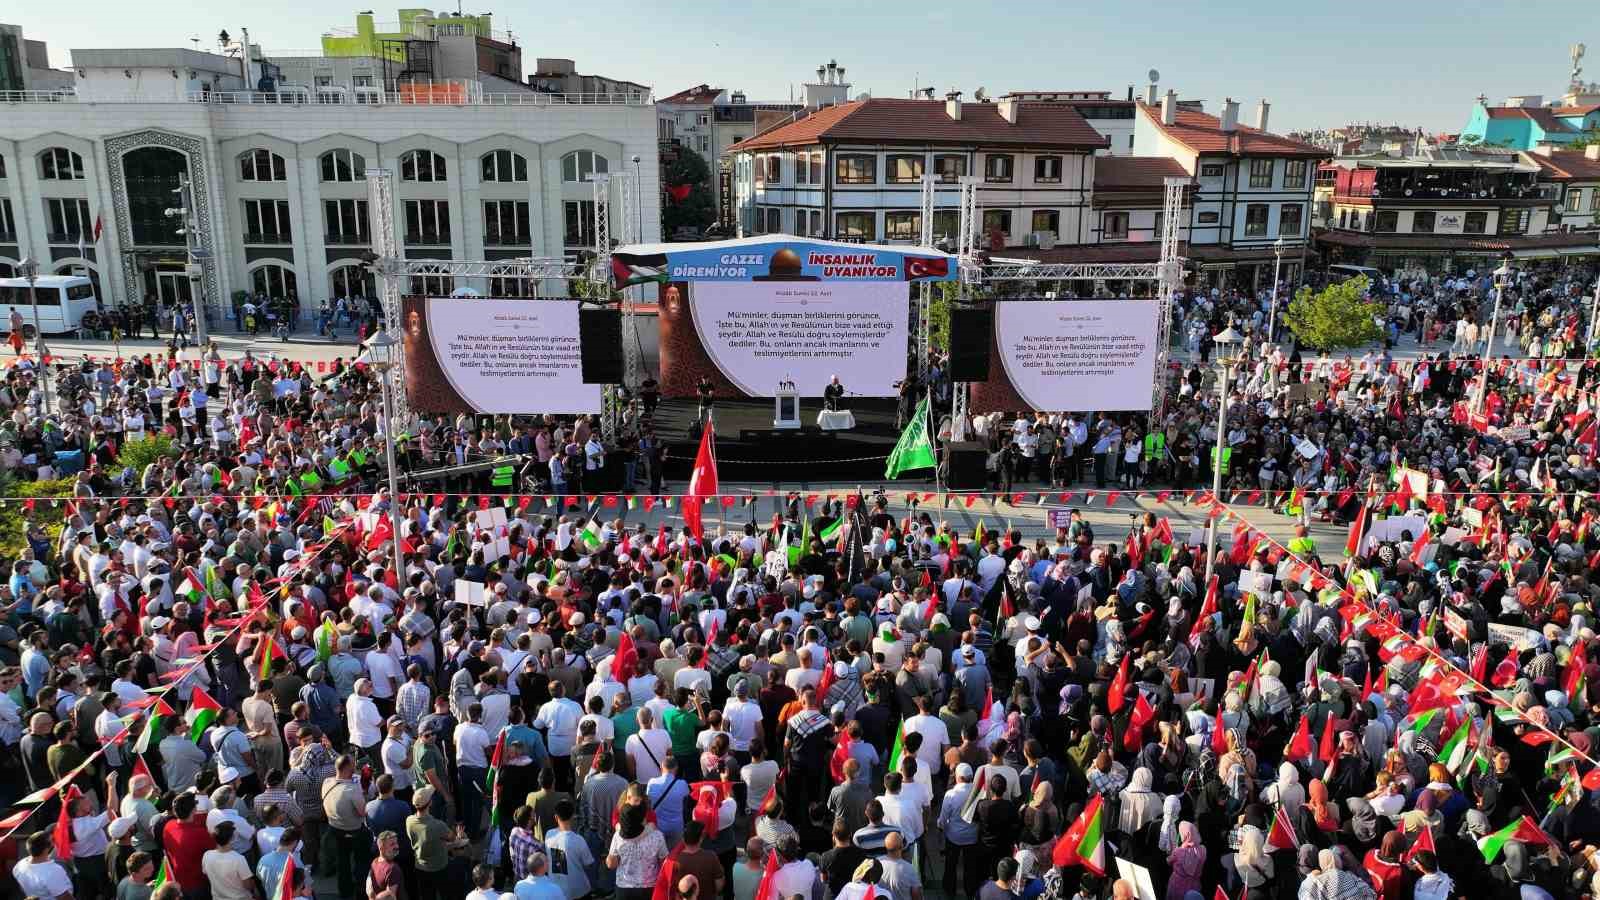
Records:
x=1170, y=810
x=1140, y=804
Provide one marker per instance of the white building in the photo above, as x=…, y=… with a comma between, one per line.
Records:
x=279, y=180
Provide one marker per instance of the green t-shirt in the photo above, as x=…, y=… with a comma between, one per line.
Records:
x=626, y=724
x=682, y=726
x=425, y=759
x=428, y=836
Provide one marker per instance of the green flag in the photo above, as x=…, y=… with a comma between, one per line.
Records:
x=914, y=450
x=898, y=748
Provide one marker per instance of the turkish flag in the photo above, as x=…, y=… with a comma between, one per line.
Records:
x=1300, y=745
x=702, y=480
x=678, y=192
x=927, y=267
x=1116, y=694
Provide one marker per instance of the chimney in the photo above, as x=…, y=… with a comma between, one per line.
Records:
x=952, y=105
x=1262, y=109
x=1150, y=95
x=1169, y=108
x=1592, y=151
x=1544, y=150
x=1230, y=115
x=1008, y=109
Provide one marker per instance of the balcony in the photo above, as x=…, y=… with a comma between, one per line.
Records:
x=428, y=238
x=348, y=240
x=251, y=237
x=507, y=240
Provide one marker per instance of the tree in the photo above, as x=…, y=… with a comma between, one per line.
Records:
x=696, y=211
x=1337, y=317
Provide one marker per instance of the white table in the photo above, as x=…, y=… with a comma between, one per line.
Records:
x=836, y=420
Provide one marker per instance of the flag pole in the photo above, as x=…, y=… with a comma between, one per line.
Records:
x=934, y=434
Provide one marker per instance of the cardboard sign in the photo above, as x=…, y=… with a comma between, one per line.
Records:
x=1518, y=637
x=1455, y=624
x=1515, y=433
x=1059, y=518
x=1258, y=583
x=497, y=516
x=1452, y=535
x=1139, y=877
x=471, y=593
x=1391, y=529
x=1473, y=518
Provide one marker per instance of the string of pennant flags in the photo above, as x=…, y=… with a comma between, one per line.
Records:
x=1361, y=618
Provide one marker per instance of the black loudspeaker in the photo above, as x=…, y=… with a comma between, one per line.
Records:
x=600, y=344
x=969, y=344
x=967, y=472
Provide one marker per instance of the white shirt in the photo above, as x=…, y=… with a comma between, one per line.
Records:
x=641, y=688
x=605, y=730
x=647, y=750
x=560, y=717
x=397, y=762
x=904, y=813
x=935, y=737
x=496, y=711
x=46, y=879
x=364, y=720
x=385, y=674
x=743, y=720
x=472, y=746
x=697, y=680
x=229, y=875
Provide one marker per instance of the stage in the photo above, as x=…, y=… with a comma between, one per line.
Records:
x=750, y=449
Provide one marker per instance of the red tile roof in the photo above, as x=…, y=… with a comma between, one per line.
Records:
x=1543, y=116
x=700, y=93
x=1045, y=125
x=1134, y=173
x=1203, y=134
x=1567, y=165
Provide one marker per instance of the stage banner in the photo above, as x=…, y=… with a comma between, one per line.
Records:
x=1070, y=356
x=751, y=314
x=480, y=355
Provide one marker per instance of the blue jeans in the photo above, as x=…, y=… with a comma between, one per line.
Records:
x=469, y=790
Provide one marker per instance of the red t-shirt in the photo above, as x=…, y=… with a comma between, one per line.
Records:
x=386, y=874
x=185, y=843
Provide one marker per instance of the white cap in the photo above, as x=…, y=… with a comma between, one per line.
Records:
x=160, y=622
x=964, y=772
x=121, y=826
x=1031, y=623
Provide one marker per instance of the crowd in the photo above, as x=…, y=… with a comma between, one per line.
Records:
x=220, y=684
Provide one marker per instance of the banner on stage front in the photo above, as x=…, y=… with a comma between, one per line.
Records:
x=1070, y=356
x=478, y=355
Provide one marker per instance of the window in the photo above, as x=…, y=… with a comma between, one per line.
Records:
x=345, y=221
x=854, y=226
x=266, y=222
x=903, y=168
x=343, y=165
x=1213, y=170
x=702, y=119
x=261, y=165
x=579, y=218
x=1294, y=173
x=705, y=143
x=774, y=163
x=1047, y=169
x=504, y=166
x=69, y=219
x=1114, y=226
x=507, y=285
x=997, y=168
x=1513, y=221
x=996, y=220
x=60, y=164
x=580, y=164
x=1574, y=199
x=816, y=169
x=1386, y=221
x=1422, y=221
x=1289, y=216
x=1475, y=222
x=432, y=282
x=8, y=224
x=274, y=281
x=800, y=223
x=1261, y=173
x=950, y=167
x=902, y=225
x=1208, y=218
x=855, y=168
x=351, y=281
x=421, y=165
x=816, y=222
x=1255, y=219
x=361, y=81
x=427, y=222
x=946, y=222
x=1047, y=220
x=774, y=220
x=1343, y=215
x=802, y=172
x=2, y=167
x=505, y=222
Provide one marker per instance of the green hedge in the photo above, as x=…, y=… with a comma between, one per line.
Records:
x=14, y=518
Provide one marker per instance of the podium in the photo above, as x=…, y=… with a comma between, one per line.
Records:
x=786, y=408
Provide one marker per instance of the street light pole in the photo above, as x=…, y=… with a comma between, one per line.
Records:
x=1500, y=276
x=1225, y=342
x=1278, y=247
x=30, y=271
x=381, y=351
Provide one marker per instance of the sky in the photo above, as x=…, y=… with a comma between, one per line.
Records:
x=1413, y=63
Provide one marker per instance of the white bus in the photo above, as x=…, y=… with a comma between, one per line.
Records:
x=63, y=299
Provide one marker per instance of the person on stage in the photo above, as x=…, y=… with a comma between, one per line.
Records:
x=832, y=394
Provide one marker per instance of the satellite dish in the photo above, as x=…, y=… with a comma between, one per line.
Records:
x=1154, y=76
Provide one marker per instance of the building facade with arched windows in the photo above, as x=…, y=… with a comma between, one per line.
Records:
x=280, y=186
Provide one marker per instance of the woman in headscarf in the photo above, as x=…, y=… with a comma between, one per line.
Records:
x=1513, y=877
x=1387, y=867
x=862, y=880
x=1319, y=818
x=1041, y=821
x=1187, y=861
x=1352, y=773
x=1250, y=866
x=1140, y=804
x=1361, y=828
x=1286, y=791
x=1424, y=816
x=1330, y=882
x=1237, y=767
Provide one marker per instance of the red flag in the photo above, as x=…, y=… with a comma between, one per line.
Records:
x=667, y=876
x=1282, y=835
x=702, y=480
x=1327, y=749
x=1143, y=712
x=1207, y=610
x=285, y=886
x=140, y=767
x=841, y=755
x=1300, y=745
x=1423, y=842
x=1421, y=546
x=63, y=830
x=1119, y=687
x=1219, y=734
x=764, y=889
x=988, y=703
x=625, y=660
x=825, y=683
x=708, y=803
x=1219, y=894
x=1480, y=662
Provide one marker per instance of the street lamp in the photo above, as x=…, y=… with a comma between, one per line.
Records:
x=1227, y=343
x=381, y=354
x=1501, y=275
x=29, y=267
x=1279, y=248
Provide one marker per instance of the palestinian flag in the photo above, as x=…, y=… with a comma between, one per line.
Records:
x=491, y=782
x=969, y=807
x=1456, y=748
x=192, y=589
x=831, y=532
x=590, y=535
x=628, y=269
x=163, y=876
x=214, y=585
x=898, y=749
x=1085, y=842
x=1524, y=829
x=205, y=712
x=269, y=651
x=152, y=727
